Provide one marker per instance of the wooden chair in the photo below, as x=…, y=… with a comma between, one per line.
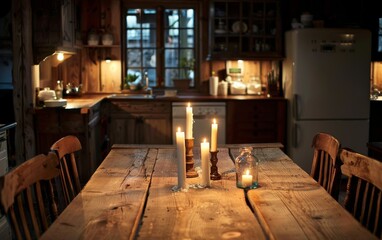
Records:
x=28, y=196
x=66, y=149
x=363, y=191
x=326, y=165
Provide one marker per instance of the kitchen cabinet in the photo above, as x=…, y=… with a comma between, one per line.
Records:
x=84, y=123
x=6, y=147
x=54, y=27
x=139, y=122
x=245, y=29
x=256, y=121
x=375, y=121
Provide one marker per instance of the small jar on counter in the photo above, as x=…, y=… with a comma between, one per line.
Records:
x=254, y=86
x=223, y=88
x=59, y=90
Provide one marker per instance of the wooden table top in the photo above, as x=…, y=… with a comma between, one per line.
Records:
x=130, y=196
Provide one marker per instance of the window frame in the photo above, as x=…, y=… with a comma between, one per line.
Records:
x=160, y=7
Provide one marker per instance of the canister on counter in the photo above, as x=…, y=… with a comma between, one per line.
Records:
x=214, y=80
x=223, y=88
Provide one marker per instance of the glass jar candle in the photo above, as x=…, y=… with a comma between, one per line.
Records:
x=246, y=165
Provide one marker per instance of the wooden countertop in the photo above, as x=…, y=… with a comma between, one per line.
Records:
x=131, y=196
x=87, y=101
x=81, y=103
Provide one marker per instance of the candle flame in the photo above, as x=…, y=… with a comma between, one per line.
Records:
x=178, y=129
x=247, y=172
x=214, y=120
x=204, y=140
x=189, y=104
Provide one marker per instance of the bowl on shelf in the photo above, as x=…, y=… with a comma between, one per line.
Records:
x=107, y=39
x=92, y=42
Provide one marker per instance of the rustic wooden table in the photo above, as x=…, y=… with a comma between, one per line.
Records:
x=130, y=196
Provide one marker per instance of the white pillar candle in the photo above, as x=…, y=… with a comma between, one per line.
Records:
x=214, y=136
x=189, y=122
x=246, y=179
x=181, y=157
x=205, y=153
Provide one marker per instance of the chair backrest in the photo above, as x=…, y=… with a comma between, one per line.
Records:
x=326, y=165
x=28, y=198
x=66, y=149
x=363, y=191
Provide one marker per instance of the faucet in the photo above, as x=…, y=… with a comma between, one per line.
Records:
x=147, y=88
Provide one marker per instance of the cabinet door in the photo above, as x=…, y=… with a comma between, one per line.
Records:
x=55, y=123
x=53, y=27
x=67, y=21
x=259, y=121
x=245, y=29
x=140, y=129
x=157, y=129
x=140, y=122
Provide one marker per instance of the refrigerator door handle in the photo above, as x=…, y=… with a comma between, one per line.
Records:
x=294, y=135
x=295, y=106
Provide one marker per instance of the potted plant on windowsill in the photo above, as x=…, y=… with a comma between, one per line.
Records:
x=132, y=83
x=186, y=67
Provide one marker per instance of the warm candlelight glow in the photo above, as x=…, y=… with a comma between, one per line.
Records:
x=181, y=158
x=246, y=179
x=205, y=147
x=189, y=122
x=214, y=135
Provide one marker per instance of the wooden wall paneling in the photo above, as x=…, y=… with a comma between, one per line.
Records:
x=22, y=80
x=110, y=76
x=90, y=17
x=90, y=72
x=69, y=71
x=377, y=74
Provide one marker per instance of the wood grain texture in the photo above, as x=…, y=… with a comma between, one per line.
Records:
x=131, y=196
x=25, y=144
x=326, y=167
x=291, y=205
x=110, y=205
x=364, y=189
x=29, y=202
x=219, y=212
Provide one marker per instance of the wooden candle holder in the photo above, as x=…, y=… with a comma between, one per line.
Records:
x=214, y=169
x=190, y=171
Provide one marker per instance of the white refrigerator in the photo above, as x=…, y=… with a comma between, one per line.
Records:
x=326, y=79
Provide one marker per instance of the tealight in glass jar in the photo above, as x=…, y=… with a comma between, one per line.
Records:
x=246, y=165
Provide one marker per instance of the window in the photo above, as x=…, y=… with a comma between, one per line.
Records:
x=160, y=42
x=380, y=35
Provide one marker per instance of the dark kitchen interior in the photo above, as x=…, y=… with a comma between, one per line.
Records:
x=123, y=60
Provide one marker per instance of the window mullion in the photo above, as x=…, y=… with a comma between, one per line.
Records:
x=160, y=57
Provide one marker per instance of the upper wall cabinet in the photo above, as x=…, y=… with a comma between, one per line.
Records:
x=245, y=29
x=54, y=27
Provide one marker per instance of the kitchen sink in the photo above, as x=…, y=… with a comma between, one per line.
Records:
x=130, y=96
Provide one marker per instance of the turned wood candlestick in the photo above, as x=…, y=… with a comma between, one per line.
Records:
x=214, y=169
x=190, y=171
